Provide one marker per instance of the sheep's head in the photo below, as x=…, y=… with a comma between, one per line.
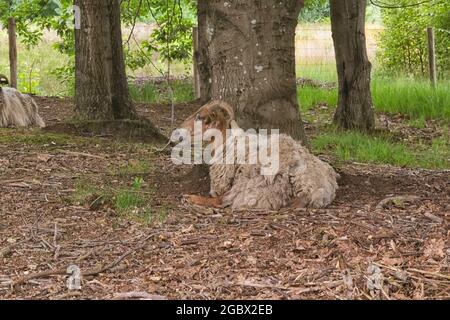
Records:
x=3, y=80
x=214, y=115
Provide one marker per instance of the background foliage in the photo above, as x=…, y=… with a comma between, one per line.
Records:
x=403, y=42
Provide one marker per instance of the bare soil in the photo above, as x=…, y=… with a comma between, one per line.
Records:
x=386, y=236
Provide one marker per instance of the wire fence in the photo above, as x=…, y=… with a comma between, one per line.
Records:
x=314, y=44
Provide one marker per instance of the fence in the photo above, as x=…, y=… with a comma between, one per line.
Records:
x=314, y=44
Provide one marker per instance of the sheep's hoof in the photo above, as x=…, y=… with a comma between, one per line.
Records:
x=203, y=201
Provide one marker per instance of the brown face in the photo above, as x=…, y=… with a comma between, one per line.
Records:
x=214, y=115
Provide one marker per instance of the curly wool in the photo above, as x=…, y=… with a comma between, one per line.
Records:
x=18, y=110
x=302, y=179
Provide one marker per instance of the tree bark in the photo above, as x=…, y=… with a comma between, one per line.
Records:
x=250, y=50
x=12, y=39
x=202, y=54
x=355, y=107
x=121, y=100
x=101, y=86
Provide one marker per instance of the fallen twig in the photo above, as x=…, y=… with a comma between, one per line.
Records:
x=138, y=295
x=93, y=272
x=258, y=285
x=433, y=217
x=397, y=200
x=43, y=274
x=82, y=154
x=7, y=250
x=428, y=273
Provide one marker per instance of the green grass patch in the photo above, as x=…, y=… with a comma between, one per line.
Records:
x=131, y=201
x=151, y=93
x=133, y=168
x=309, y=97
x=396, y=95
x=325, y=72
x=438, y=156
x=353, y=146
x=415, y=98
x=418, y=123
x=38, y=137
x=86, y=193
x=36, y=66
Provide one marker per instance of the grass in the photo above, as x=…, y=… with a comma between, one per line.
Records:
x=309, y=97
x=85, y=192
x=36, y=66
x=322, y=72
x=414, y=98
x=134, y=168
x=418, y=123
x=358, y=147
x=130, y=201
x=150, y=93
x=40, y=138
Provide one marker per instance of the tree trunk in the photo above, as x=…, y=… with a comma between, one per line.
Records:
x=12, y=39
x=121, y=100
x=201, y=55
x=101, y=86
x=251, y=50
x=355, y=108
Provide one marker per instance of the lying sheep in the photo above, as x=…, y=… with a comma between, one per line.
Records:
x=17, y=109
x=301, y=179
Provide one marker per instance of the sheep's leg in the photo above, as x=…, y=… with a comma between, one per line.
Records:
x=298, y=203
x=205, y=201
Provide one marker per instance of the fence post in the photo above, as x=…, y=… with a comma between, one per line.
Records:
x=196, y=76
x=12, y=51
x=432, y=56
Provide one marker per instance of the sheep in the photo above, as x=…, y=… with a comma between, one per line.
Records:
x=301, y=179
x=17, y=109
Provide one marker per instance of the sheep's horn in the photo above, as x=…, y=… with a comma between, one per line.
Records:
x=222, y=105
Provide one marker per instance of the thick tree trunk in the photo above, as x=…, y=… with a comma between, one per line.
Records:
x=250, y=45
x=101, y=86
x=12, y=39
x=92, y=77
x=201, y=55
x=121, y=100
x=355, y=108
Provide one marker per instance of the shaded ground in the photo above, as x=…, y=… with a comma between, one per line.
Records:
x=364, y=246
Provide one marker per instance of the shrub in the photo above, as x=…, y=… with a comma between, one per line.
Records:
x=403, y=43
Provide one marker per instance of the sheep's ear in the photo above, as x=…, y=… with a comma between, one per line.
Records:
x=210, y=118
x=216, y=116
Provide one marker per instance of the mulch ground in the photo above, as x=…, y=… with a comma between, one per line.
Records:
x=386, y=236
